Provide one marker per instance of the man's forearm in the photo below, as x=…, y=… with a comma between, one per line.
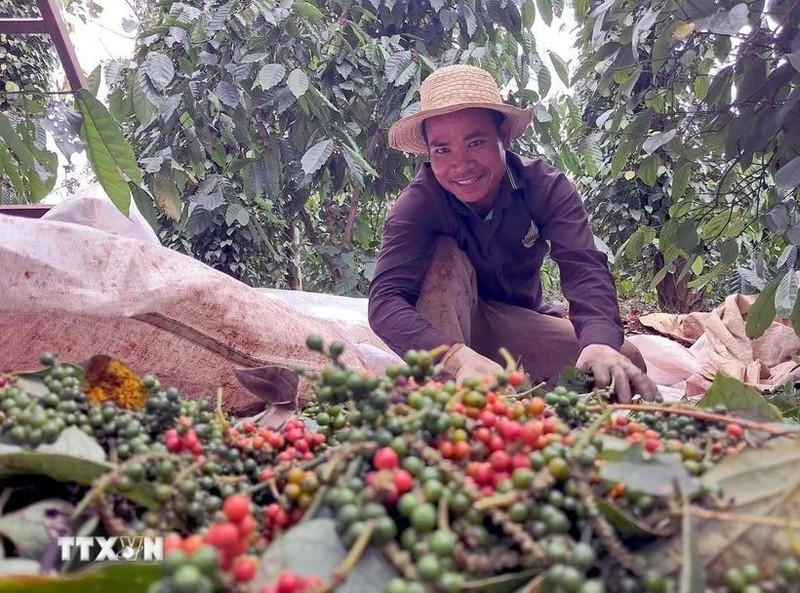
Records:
x=401, y=327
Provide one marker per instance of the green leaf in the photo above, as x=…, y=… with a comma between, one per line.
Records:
x=145, y=206
x=316, y=156
x=544, y=80
x=468, y=16
x=592, y=158
x=528, y=14
x=16, y=144
x=657, y=475
x=236, y=213
x=658, y=277
x=661, y=49
x=220, y=17
x=448, y=18
x=108, y=151
x=697, y=265
x=560, y=67
x=729, y=251
x=717, y=226
x=167, y=196
x=43, y=178
x=120, y=105
x=668, y=236
x=786, y=293
x=102, y=578
x=795, y=316
x=632, y=249
x=757, y=483
x=227, y=93
x=620, y=158
x=626, y=524
x=720, y=90
x=141, y=88
x=545, y=11
x=109, y=133
x=10, y=168
x=687, y=236
x=641, y=29
x=762, y=313
x=269, y=75
x=739, y=398
x=159, y=70
x=298, y=82
x=658, y=140
x=290, y=552
x=680, y=179
x=63, y=462
x=26, y=528
x=308, y=11
x=354, y=166
x=74, y=442
x=396, y=63
x=93, y=80
x=406, y=75
x=701, y=86
x=648, y=169
x=788, y=176
x=693, y=575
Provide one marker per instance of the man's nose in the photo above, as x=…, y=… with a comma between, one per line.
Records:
x=459, y=157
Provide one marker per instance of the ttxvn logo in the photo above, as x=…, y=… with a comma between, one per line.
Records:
x=112, y=549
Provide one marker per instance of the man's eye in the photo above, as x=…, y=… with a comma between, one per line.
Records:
x=440, y=151
x=476, y=143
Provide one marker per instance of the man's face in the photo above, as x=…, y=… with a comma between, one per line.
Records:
x=467, y=155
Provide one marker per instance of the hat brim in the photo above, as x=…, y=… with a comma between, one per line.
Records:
x=406, y=133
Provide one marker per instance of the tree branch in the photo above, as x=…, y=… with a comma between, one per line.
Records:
x=372, y=148
x=311, y=234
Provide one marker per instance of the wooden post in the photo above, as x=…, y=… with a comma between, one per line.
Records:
x=52, y=24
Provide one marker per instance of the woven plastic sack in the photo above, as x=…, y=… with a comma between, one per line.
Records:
x=80, y=291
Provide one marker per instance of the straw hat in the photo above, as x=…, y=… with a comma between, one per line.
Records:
x=450, y=89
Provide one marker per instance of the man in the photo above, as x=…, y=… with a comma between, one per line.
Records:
x=463, y=246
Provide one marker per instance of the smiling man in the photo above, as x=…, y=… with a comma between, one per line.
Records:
x=464, y=243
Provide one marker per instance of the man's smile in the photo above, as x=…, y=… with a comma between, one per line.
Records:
x=468, y=181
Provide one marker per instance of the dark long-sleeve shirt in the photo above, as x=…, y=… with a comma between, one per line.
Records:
x=537, y=205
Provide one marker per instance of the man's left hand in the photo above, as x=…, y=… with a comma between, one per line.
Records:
x=606, y=364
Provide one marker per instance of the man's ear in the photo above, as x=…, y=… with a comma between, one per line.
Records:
x=505, y=133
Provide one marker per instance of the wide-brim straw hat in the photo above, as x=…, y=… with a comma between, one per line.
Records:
x=450, y=89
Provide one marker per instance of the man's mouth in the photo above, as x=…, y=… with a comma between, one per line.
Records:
x=468, y=181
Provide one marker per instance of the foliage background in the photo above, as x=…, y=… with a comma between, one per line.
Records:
x=259, y=129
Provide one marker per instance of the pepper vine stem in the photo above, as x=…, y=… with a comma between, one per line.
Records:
x=443, y=516
x=727, y=517
x=694, y=413
x=341, y=572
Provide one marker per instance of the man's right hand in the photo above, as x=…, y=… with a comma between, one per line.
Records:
x=462, y=362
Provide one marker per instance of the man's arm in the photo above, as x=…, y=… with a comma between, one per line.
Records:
x=585, y=279
x=590, y=289
x=407, y=246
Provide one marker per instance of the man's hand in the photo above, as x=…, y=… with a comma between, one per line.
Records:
x=462, y=362
x=607, y=364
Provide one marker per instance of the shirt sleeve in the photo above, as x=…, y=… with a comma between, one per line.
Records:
x=407, y=246
x=586, y=280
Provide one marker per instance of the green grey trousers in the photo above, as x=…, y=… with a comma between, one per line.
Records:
x=543, y=344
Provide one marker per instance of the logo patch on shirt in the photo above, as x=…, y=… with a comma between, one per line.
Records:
x=530, y=237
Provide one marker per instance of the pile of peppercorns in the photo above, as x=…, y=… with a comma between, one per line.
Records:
x=458, y=485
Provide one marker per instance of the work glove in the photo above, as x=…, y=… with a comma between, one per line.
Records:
x=461, y=362
x=607, y=364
